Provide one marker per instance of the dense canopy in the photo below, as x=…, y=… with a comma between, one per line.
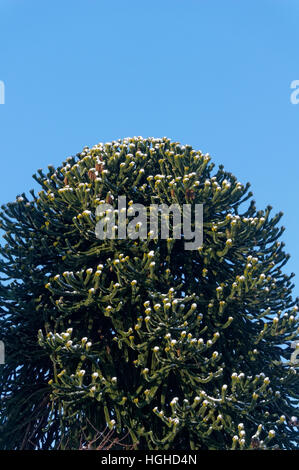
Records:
x=156, y=346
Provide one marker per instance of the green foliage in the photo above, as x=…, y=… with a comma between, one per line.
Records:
x=171, y=349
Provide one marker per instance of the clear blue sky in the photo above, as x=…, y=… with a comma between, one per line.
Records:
x=214, y=74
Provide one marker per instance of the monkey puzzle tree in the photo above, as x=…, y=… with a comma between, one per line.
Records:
x=169, y=348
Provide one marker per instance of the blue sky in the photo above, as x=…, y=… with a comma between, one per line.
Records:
x=214, y=74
